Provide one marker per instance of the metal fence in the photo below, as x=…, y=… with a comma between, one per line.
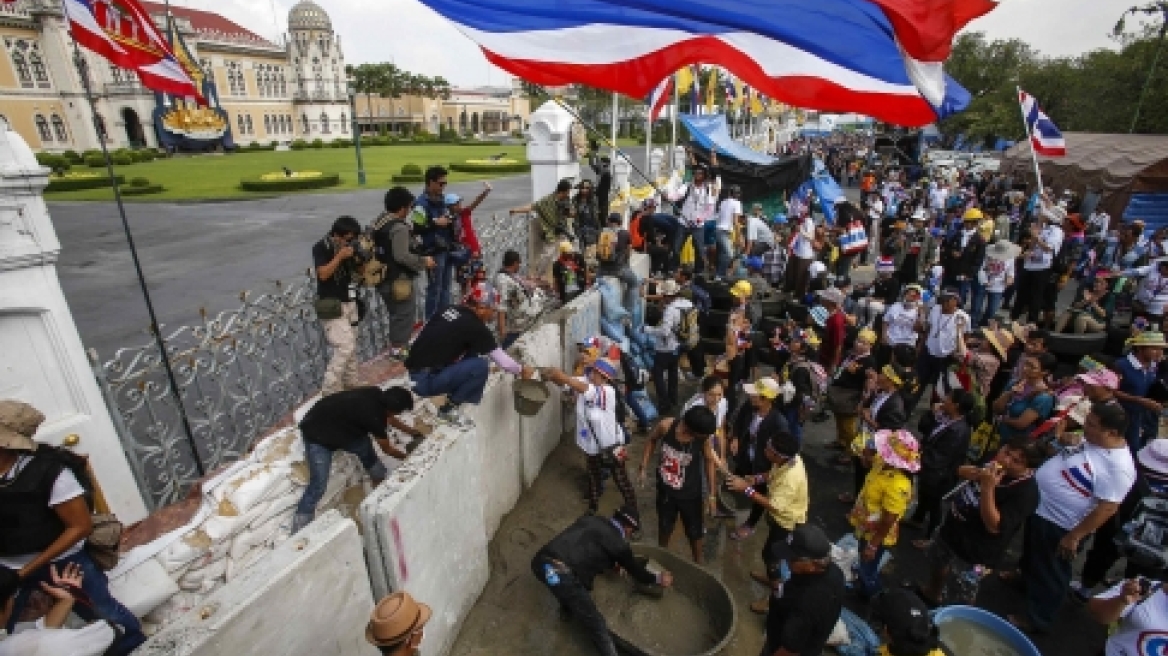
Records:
x=239, y=372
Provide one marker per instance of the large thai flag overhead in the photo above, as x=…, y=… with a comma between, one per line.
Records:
x=1045, y=137
x=123, y=32
x=877, y=57
x=660, y=98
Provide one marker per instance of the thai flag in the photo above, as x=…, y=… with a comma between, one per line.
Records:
x=659, y=98
x=1045, y=137
x=731, y=93
x=124, y=33
x=882, y=58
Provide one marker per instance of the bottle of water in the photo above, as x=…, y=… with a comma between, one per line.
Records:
x=968, y=582
x=550, y=575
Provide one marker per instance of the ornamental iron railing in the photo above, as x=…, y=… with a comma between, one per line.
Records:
x=239, y=373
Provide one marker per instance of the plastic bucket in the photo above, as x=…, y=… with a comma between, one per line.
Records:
x=530, y=395
x=992, y=623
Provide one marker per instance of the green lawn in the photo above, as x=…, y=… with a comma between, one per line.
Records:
x=217, y=176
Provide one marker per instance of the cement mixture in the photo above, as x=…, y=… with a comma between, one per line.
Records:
x=674, y=624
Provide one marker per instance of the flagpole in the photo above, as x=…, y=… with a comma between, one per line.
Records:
x=615, y=120
x=673, y=116
x=1030, y=139
x=155, y=329
x=649, y=141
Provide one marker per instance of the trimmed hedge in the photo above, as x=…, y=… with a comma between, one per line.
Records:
x=290, y=184
x=464, y=167
x=141, y=191
x=406, y=179
x=411, y=169
x=77, y=184
x=299, y=144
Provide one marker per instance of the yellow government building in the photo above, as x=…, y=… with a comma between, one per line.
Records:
x=259, y=91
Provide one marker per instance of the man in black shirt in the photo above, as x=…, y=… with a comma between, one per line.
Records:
x=446, y=357
x=571, y=561
x=809, y=602
x=345, y=421
x=334, y=261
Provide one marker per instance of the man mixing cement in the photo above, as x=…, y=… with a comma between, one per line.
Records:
x=570, y=562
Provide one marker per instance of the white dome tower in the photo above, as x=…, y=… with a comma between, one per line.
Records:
x=319, y=92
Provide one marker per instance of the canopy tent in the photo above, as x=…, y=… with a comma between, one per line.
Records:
x=1114, y=165
x=762, y=177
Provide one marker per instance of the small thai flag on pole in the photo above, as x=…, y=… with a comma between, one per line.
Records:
x=660, y=97
x=1045, y=137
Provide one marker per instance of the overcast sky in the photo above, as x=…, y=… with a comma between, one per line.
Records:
x=415, y=38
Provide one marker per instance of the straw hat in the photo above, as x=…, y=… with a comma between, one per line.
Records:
x=766, y=387
x=1154, y=457
x=1148, y=338
x=832, y=295
x=668, y=287
x=999, y=339
x=1101, y=378
x=394, y=619
x=899, y=449
x=1004, y=250
x=567, y=247
x=18, y=423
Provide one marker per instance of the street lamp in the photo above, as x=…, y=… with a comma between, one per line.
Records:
x=351, y=86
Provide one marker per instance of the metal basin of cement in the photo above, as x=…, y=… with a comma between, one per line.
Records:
x=696, y=593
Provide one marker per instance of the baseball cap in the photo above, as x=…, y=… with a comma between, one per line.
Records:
x=606, y=368
x=766, y=387
x=907, y=620
x=831, y=294
x=1100, y=377
x=805, y=542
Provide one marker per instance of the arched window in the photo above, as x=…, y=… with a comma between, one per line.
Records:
x=22, y=71
x=344, y=123
x=38, y=68
x=250, y=128
x=59, y=129
x=324, y=123
x=305, y=125
x=267, y=124
x=42, y=127
x=242, y=125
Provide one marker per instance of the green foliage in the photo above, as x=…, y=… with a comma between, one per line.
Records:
x=341, y=143
x=72, y=156
x=94, y=159
x=411, y=169
x=290, y=184
x=318, y=143
x=142, y=190
x=407, y=179
x=78, y=183
x=87, y=154
x=122, y=158
x=466, y=167
x=299, y=144
x=139, y=182
x=423, y=137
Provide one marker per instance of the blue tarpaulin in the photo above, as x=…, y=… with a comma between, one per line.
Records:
x=827, y=189
x=711, y=132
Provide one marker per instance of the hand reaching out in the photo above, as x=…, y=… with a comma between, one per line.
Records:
x=70, y=576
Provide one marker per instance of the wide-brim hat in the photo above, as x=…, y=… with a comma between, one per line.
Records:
x=899, y=448
x=18, y=423
x=1004, y=250
x=606, y=368
x=1149, y=338
x=1020, y=331
x=1154, y=456
x=766, y=387
x=1101, y=377
x=832, y=295
x=668, y=287
x=999, y=339
x=395, y=618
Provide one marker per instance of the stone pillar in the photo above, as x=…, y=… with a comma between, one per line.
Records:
x=679, y=159
x=44, y=362
x=656, y=159
x=553, y=158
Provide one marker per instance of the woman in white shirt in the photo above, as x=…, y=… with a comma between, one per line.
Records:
x=713, y=397
x=899, y=325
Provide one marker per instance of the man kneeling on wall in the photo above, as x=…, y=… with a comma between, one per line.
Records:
x=445, y=358
x=345, y=421
x=571, y=561
x=397, y=625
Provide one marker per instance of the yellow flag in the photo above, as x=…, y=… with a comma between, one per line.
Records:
x=685, y=79
x=711, y=89
x=738, y=97
x=755, y=104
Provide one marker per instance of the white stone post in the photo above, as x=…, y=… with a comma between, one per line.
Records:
x=43, y=361
x=656, y=158
x=550, y=151
x=679, y=160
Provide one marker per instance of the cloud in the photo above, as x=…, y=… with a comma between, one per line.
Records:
x=417, y=39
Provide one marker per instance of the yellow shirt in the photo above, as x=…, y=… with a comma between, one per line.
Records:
x=886, y=489
x=787, y=492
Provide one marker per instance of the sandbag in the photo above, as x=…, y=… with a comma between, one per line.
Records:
x=280, y=507
x=193, y=580
x=144, y=588
x=246, y=488
x=172, y=609
x=220, y=528
x=611, y=308
x=235, y=567
x=615, y=332
x=254, y=537
x=285, y=446
x=185, y=549
x=641, y=399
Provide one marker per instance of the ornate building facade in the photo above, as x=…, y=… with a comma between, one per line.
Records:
x=262, y=91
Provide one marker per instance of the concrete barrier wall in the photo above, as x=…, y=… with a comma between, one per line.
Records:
x=309, y=597
x=425, y=531
x=498, y=449
x=539, y=434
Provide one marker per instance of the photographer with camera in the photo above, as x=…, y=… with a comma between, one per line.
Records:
x=394, y=245
x=335, y=260
x=555, y=222
x=438, y=231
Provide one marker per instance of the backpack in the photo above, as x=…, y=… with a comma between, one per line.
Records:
x=688, y=329
x=606, y=245
x=104, y=541
x=373, y=271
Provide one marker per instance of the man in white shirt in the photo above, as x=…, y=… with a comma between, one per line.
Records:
x=699, y=203
x=598, y=432
x=802, y=253
x=996, y=274
x=760, y=238
x=665, y=372
x=945, y=322
x=1152, y=294
x=1139, y=613
x=729, y=212
x=1035, y=282
x=938, y=196
x=1080, y=490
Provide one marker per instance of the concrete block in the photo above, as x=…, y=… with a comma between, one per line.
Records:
x=541, y=347
x=579, y=319
x=498, y=446
x=425, y=532
x=310, y=596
